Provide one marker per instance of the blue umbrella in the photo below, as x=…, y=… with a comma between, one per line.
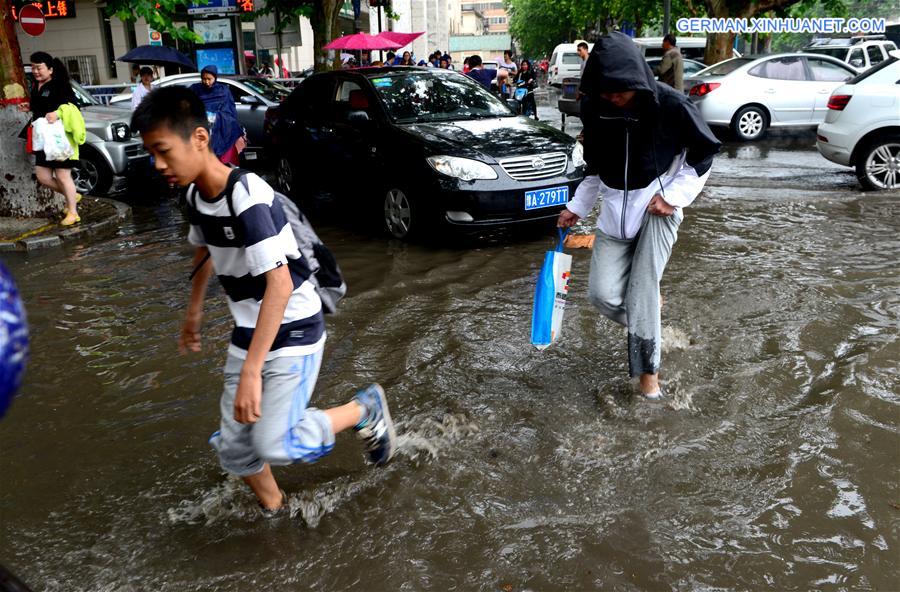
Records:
x=157, y=55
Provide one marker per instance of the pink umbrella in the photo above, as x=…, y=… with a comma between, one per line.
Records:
x=403, y=39
x=362, y=41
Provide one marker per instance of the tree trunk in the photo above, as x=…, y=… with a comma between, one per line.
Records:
x=19, y=195
x=324, y=25
x=719, y=47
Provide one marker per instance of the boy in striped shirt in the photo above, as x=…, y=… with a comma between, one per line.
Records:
x=279, y=334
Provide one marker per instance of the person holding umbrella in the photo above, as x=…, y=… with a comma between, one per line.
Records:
x=227, y=134
x=143, y=88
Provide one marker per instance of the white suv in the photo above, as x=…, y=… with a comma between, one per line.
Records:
x=862, y=126
x=862, y=52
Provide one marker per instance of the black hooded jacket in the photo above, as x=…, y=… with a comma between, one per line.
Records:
x=660, y=125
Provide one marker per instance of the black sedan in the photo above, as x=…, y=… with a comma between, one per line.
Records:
x=423, y=148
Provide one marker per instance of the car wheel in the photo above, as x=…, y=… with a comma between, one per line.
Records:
x=401, y=219
x=284, y=175
x=750, y=123
x=878, y=163
x=92, y=175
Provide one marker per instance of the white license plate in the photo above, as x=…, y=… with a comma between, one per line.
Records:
x=546, y=198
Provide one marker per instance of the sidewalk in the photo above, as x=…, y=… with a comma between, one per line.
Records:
x=98, y=214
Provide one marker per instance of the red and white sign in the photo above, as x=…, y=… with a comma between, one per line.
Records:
x=32, y=20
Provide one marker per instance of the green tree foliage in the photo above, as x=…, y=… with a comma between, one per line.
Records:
x=539, y=25
x=162, y=15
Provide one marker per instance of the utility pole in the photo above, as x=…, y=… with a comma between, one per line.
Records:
x=667, y=16
x=280, y=64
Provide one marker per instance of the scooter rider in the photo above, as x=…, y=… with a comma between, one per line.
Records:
x=648, y=154
x=525, y=77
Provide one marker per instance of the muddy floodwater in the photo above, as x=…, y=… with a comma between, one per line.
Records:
x=774, y=466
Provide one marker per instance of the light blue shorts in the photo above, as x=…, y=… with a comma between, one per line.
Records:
x=287, y=432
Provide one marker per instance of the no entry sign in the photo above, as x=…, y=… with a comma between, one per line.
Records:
x=32, y=20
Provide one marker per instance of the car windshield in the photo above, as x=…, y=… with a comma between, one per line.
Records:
x=271, y=90
x=835, y=52
x=420, y=97
x=82, y=96
x=726, y=67
x=874, y=70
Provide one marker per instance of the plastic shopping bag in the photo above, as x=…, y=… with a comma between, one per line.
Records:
x=550, y=295
x=37, y=134
x=52, y=139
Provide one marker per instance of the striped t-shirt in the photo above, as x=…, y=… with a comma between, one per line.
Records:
x=242, y=249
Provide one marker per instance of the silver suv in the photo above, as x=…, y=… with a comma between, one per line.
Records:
x=110, y=151
x=861, y=52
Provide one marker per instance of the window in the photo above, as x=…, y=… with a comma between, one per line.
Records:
x=571, y=59
x=823, y=71
x=856, y=58
x=236, y=92
x=835, y=52
x=729, y=66
x=343, y=94
x=788, y=68
x=875, y=55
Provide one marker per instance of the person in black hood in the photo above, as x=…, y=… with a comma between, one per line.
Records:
x=648, y=153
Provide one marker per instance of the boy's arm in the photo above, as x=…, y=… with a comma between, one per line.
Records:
x=190, y=330
x=279, y=287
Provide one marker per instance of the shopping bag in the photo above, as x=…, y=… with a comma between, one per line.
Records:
x=550, y=295
x=52, y=139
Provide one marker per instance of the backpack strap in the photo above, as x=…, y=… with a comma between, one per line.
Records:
x=237, y=174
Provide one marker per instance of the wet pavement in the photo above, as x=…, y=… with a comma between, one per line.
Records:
x=774, y=465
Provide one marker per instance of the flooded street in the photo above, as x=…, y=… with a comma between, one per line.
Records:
x=774, y=465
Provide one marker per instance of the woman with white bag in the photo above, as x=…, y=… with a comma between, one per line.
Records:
x=51, y=91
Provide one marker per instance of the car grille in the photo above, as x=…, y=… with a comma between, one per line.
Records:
x=536, y=166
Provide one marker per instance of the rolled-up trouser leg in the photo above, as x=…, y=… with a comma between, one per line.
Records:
x=287, y=432
x=608, y=281
x=653, y=248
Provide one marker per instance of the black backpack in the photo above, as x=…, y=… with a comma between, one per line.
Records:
x=326, y=275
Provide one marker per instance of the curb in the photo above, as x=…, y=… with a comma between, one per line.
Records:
x=56, y=235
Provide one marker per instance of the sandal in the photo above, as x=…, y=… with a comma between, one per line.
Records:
x=70, y=219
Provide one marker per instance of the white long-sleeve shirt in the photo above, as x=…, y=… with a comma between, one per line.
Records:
x=622, y=212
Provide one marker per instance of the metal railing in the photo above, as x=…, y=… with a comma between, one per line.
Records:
x=105, y=92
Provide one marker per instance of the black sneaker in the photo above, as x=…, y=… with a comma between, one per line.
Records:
x=376, y=428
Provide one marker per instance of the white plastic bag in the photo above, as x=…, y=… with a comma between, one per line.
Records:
x=51, y=138
x=37, y=134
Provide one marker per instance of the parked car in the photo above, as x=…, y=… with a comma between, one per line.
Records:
x=110, y=152
x=862, y=126
x=252, y=96
x=751, y=94
x=565, y=63
x=691, y=67
x=693, y=48
x=862, y=52
x=421, y=149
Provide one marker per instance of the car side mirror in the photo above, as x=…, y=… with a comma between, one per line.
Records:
x=357, y=117
x=249, y=100
x=857, y=63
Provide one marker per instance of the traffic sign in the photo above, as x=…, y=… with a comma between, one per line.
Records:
x=32, y=20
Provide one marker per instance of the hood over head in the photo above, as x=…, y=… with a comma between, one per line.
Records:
x=616, y=65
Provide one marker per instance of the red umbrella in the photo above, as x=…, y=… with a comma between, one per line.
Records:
x=362, y=41
x=403, y=39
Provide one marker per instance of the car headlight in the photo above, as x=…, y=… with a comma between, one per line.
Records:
x=464, y=169
x=120, y=132
x=578, y=155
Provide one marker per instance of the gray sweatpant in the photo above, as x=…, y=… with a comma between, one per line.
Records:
x=287, y=431
x=624, y=285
